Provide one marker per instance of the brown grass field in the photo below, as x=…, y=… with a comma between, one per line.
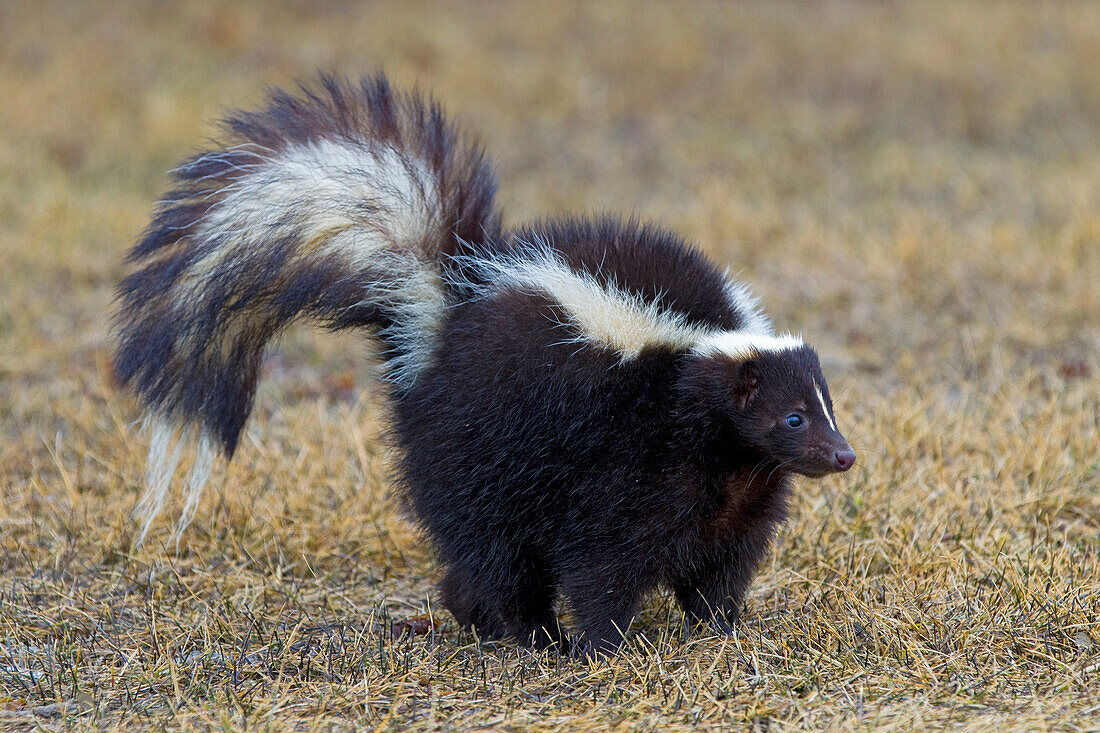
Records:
x=914, y=186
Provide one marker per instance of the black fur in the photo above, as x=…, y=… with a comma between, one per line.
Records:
x=540, y=463
x=542, y=469
x=257, y=289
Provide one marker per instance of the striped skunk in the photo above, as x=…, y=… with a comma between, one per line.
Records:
x=585, y=407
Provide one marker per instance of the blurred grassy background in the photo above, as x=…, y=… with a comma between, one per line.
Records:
x=914, y=186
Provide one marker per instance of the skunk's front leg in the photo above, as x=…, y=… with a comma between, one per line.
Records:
x=604, y=604
x=712, y=588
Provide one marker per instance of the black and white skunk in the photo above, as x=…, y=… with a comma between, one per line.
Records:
x=583, y=407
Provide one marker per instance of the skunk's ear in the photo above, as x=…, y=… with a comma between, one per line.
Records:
x=748, y=379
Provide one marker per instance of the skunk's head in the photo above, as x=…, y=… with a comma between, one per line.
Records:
x=763, y=398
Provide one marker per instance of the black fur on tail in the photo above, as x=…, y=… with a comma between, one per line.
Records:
x=333, y=206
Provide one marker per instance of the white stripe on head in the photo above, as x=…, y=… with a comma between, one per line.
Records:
x=824, y=407
x=745, y=345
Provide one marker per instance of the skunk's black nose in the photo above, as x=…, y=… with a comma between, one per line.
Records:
x=844, y=459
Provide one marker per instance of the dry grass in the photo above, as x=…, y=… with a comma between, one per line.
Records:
x=916, y=187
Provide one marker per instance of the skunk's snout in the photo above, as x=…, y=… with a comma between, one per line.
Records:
x=830, y=456
x=841, y=456
x=844, y=459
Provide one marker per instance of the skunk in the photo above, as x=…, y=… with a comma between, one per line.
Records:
x=583, y=407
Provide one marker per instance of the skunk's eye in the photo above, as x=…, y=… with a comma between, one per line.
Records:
x=794, y=420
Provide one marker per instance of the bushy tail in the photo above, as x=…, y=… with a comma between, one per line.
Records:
x=334, y=206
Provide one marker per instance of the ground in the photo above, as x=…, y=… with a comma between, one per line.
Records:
x=915, y=187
